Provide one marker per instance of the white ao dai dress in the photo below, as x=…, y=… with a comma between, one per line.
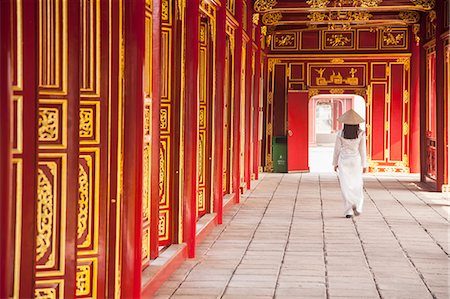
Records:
x=350, y=157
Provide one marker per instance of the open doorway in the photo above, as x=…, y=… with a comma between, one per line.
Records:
x=324, y=110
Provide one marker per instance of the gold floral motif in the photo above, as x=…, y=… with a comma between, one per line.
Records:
x=425, y=4
x=338, y=40
x=391, y=39
x=270, y=97
x=405, y=61
x=201, y=161
x=165, y=10
x=271, y=18
x=202, y=34
x=409, y=17
x=416, y=31
x=269, y=129
x=405, y=96
x=201, y=200
x=45, y=206
x=162, y=225
x=337, y=61
x=86, y=122
x=201, y=118
x=147, y=120
x=336, y=91
x=46, y=293
x=264, y=5
x=271, y=63
x=162, y=174
x=369, y=3
x=83, y=201
x=83, y=280
x=318, y=3
x=405, y=128
x=317, y=16
x=284, y=40
x=146, y=184
x=164, y=119
x=48, y=124
x=255, y=18
x=313, y=92
x=361, y=92
x=264, y=30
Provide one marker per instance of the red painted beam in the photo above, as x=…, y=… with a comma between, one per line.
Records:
x=440, y=97
x=134, y=35
x=219, y=112
x=191, y=127
x=414, y=141
x=6, y=144
x=237, y=105
x=156, y=99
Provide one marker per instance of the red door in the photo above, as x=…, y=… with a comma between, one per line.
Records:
x=298, y=131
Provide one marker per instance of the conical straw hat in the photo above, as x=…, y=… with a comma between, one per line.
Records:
x=350, y=118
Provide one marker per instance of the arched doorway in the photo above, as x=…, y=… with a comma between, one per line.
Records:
x=323, y=126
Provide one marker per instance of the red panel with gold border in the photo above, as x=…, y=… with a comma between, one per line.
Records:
x=383, y=81
x=431, y=111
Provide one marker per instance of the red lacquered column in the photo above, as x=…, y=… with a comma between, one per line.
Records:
x=134, y=37
x=237, y=105
x=414, y=160
x=191, y=125
x=256, y=93
x=219, y=112
x=440, y=97
x=156, y=98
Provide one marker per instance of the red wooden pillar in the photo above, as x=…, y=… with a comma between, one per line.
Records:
x=248, y=111
x=6, y=144
x=423, y=104
x=191, y=125
x=256, y=99
x=134, y=37
x=156, y=98
x=219, y=112
x=237, y=104
x=414, y=154
x=440, y=97
x=29, y=155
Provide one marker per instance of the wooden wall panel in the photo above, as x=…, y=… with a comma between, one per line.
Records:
x=377, y=124
x=396, y=115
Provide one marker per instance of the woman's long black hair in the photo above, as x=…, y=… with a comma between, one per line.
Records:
x=350, y=131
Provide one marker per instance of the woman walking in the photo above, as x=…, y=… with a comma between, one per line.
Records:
x=350, y=161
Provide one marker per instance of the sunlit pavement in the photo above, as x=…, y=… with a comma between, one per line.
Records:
x=288, y=239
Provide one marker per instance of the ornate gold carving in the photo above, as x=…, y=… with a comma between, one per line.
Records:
x=409, y=17
x=264, y=30
x=336, y=91
x=162, y=225
x=255, y=19
x=46, y=293
x=284, y=40
x=338, y=40
x=83, y=201
x=336, y=78
x=83, y=280
x=181, y=8
x=337, y=61
x=202, y=118
x=146, y=183
x=272, y=62
x=201, y=199
x=390, y=38
x=48, y=124
x=271, y=18
x=405, y=96
x=425, y=4
x=45, y=215
x=405, y=128
x=165, y=10
x=269, y=128
x=86, y=122
x=270, y=97
x=264, y=5
x=202, y=34
x=318, y=3
x=164, y=119
x=147, y=120
x=405, y=61
x=416, y=31
x=317, y=16
x=361, y=92
x=313, y=92
x=145, y=245
x=369, y=3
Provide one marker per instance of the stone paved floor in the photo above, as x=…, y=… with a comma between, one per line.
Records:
x=288, y=239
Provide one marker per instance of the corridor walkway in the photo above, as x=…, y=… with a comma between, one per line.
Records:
x=288, y=239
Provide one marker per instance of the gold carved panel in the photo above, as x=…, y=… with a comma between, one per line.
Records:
x=164, y=171
x=89, y=122
x=52, y=124
x=394, y=39
x=163, y=225
x=49, y=289
x=285, y=41
x=86, y=278
x=165, y=117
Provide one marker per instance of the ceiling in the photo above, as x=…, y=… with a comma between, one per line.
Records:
x=340, y=14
